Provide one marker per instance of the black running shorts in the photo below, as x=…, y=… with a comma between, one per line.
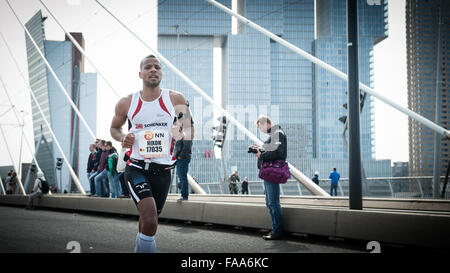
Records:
x=152, y=183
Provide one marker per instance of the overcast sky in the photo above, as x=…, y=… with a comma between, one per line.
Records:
x=117, y=54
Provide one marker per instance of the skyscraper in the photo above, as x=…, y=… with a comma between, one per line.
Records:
x=331, y=91
x=260, y=76
x=38, y=81
x=427, y=63
x=68, y=65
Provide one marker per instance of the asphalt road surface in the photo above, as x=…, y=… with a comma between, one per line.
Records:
x=50, y=231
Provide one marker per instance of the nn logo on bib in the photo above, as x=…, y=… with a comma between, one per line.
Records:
x=148, y=135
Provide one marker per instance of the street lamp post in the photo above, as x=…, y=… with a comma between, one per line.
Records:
x=355, y=176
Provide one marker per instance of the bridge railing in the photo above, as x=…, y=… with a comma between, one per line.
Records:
x=395, y=187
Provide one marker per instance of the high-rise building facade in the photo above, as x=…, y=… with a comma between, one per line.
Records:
x=38, y=82
x=428, y=62
x=68, y=65
x=259, y=76
x=331, y=91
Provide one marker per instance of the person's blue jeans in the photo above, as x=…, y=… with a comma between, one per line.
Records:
x=103, y=179
x=114, y=185
x=182, y=170
x=91, y=177
x=333, y=189
x=272, y=192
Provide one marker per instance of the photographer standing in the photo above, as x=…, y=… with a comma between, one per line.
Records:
x=274, y=148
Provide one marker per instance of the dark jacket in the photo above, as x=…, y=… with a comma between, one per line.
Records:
x=315, y=179
x=91, y=161
x=103, y=161
x=245, y=184
x=183, y=149
x=233, y=179
x=98, y=155
x=275, y=147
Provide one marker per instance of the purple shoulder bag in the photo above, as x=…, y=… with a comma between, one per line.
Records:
x=275, y=171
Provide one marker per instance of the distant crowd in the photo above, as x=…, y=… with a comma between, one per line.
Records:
x=104, y=178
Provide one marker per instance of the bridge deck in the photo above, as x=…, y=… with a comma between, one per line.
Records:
x=416, y=222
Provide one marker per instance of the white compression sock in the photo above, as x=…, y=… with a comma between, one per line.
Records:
x=145, y=244
x=136, y=249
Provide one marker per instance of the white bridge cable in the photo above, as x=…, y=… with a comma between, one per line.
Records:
x=192, y=183
x=53, y=74
x=10, y=101
x=185, y=78
x=433, y=126
x=77, y=45
x=23, y=134
x=29, y=148
x=311, y=186
x=1, y=187
x=72, y=173
x=12, y=160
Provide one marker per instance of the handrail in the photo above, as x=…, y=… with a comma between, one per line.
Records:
x=340, y=180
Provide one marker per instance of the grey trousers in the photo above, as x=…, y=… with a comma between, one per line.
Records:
x=33, y=196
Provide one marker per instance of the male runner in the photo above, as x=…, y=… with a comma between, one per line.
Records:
x=157, y=117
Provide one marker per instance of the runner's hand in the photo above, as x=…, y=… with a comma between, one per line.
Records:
x=177, y=131
x=128, y=140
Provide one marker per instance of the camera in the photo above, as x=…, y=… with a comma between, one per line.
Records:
x=252, y=150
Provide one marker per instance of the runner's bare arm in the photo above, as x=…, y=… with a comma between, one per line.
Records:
x=119, y=119
x=180, y=104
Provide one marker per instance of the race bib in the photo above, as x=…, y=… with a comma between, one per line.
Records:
x=154, y=143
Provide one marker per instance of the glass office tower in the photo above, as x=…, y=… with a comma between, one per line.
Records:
x=428, y=59
x=38, y=81
x=331, y=91
x=260, y=76
x=73, y=137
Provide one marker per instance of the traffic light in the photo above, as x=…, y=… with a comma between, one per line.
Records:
x=59, y=163
x=343, y=119
x=219, y=136
x=362, y=97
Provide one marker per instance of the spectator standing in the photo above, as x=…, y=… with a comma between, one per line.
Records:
x=244, y=186
x=334, y=176
x=233, y=180
x=315, y=178
x=90, y=166
x=274, y=148
x=113, y=176
x=183, y=154
x=101, y=180
x=98, y=154
x=123, y=157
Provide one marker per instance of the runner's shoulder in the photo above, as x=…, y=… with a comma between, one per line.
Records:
x=177, y=97
x=124, y=103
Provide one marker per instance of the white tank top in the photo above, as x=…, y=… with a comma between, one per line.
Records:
x=151, y=123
